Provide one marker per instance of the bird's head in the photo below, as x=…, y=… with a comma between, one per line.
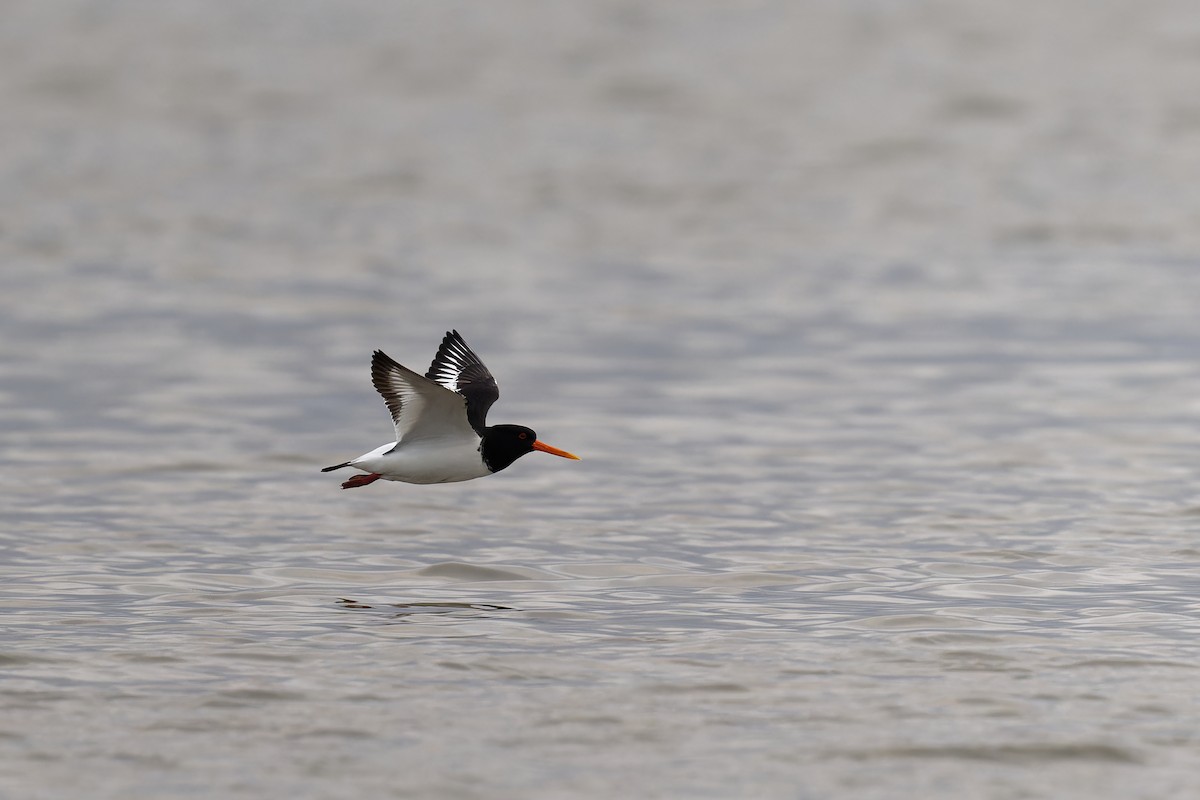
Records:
x=504, y=444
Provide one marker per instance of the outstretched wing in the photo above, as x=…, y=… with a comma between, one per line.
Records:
x=420, y=408
x=457, y=368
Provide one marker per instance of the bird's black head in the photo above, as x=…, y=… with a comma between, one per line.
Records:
x=504, y=444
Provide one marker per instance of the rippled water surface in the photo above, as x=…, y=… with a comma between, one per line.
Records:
x=874, y=324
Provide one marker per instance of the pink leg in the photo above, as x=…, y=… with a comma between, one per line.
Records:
x=361, y=480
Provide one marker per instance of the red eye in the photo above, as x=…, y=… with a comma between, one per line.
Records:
x=522, y=436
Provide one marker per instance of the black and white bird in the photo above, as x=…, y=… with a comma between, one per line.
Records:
x=440, y=418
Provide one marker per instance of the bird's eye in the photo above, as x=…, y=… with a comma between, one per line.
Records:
x=522, y=436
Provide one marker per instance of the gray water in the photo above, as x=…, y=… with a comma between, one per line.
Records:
x=874, y=323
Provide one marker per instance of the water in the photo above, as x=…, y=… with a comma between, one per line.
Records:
x=874, y=324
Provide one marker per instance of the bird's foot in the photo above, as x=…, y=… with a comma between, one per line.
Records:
x=361, y=480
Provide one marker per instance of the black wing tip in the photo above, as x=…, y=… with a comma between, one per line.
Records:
x=382, y=361
x=335, y=466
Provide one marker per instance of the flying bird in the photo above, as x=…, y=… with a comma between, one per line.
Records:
x=440, y=418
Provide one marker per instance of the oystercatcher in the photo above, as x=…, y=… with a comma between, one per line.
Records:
x=440, y=431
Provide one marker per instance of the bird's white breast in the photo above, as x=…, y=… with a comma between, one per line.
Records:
x=426, y=461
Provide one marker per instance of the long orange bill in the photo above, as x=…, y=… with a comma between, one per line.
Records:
x=554, y=451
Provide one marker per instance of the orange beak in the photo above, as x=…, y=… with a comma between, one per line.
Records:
x=554, y=451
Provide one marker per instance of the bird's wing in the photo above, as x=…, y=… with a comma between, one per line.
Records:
x=420, y=408
x=457, y=368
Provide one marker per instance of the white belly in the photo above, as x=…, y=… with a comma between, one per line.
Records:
x=425, y=461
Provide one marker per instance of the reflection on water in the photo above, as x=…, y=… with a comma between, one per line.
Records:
x=415, y=609
x=876, y=327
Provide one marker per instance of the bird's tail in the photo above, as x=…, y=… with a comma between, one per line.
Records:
x=335, y=466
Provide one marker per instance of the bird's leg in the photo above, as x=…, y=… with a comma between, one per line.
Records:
x=361, y=480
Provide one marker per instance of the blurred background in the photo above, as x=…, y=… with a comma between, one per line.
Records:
x=873, y=321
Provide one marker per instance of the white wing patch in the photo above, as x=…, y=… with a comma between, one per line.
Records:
x=421, y=409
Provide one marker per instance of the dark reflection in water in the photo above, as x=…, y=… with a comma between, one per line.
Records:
x=438, y=608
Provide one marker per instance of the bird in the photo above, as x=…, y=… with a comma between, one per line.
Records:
x=442, y=435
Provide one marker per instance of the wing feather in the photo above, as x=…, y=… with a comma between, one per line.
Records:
x=420, y=408
x=457, y=368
